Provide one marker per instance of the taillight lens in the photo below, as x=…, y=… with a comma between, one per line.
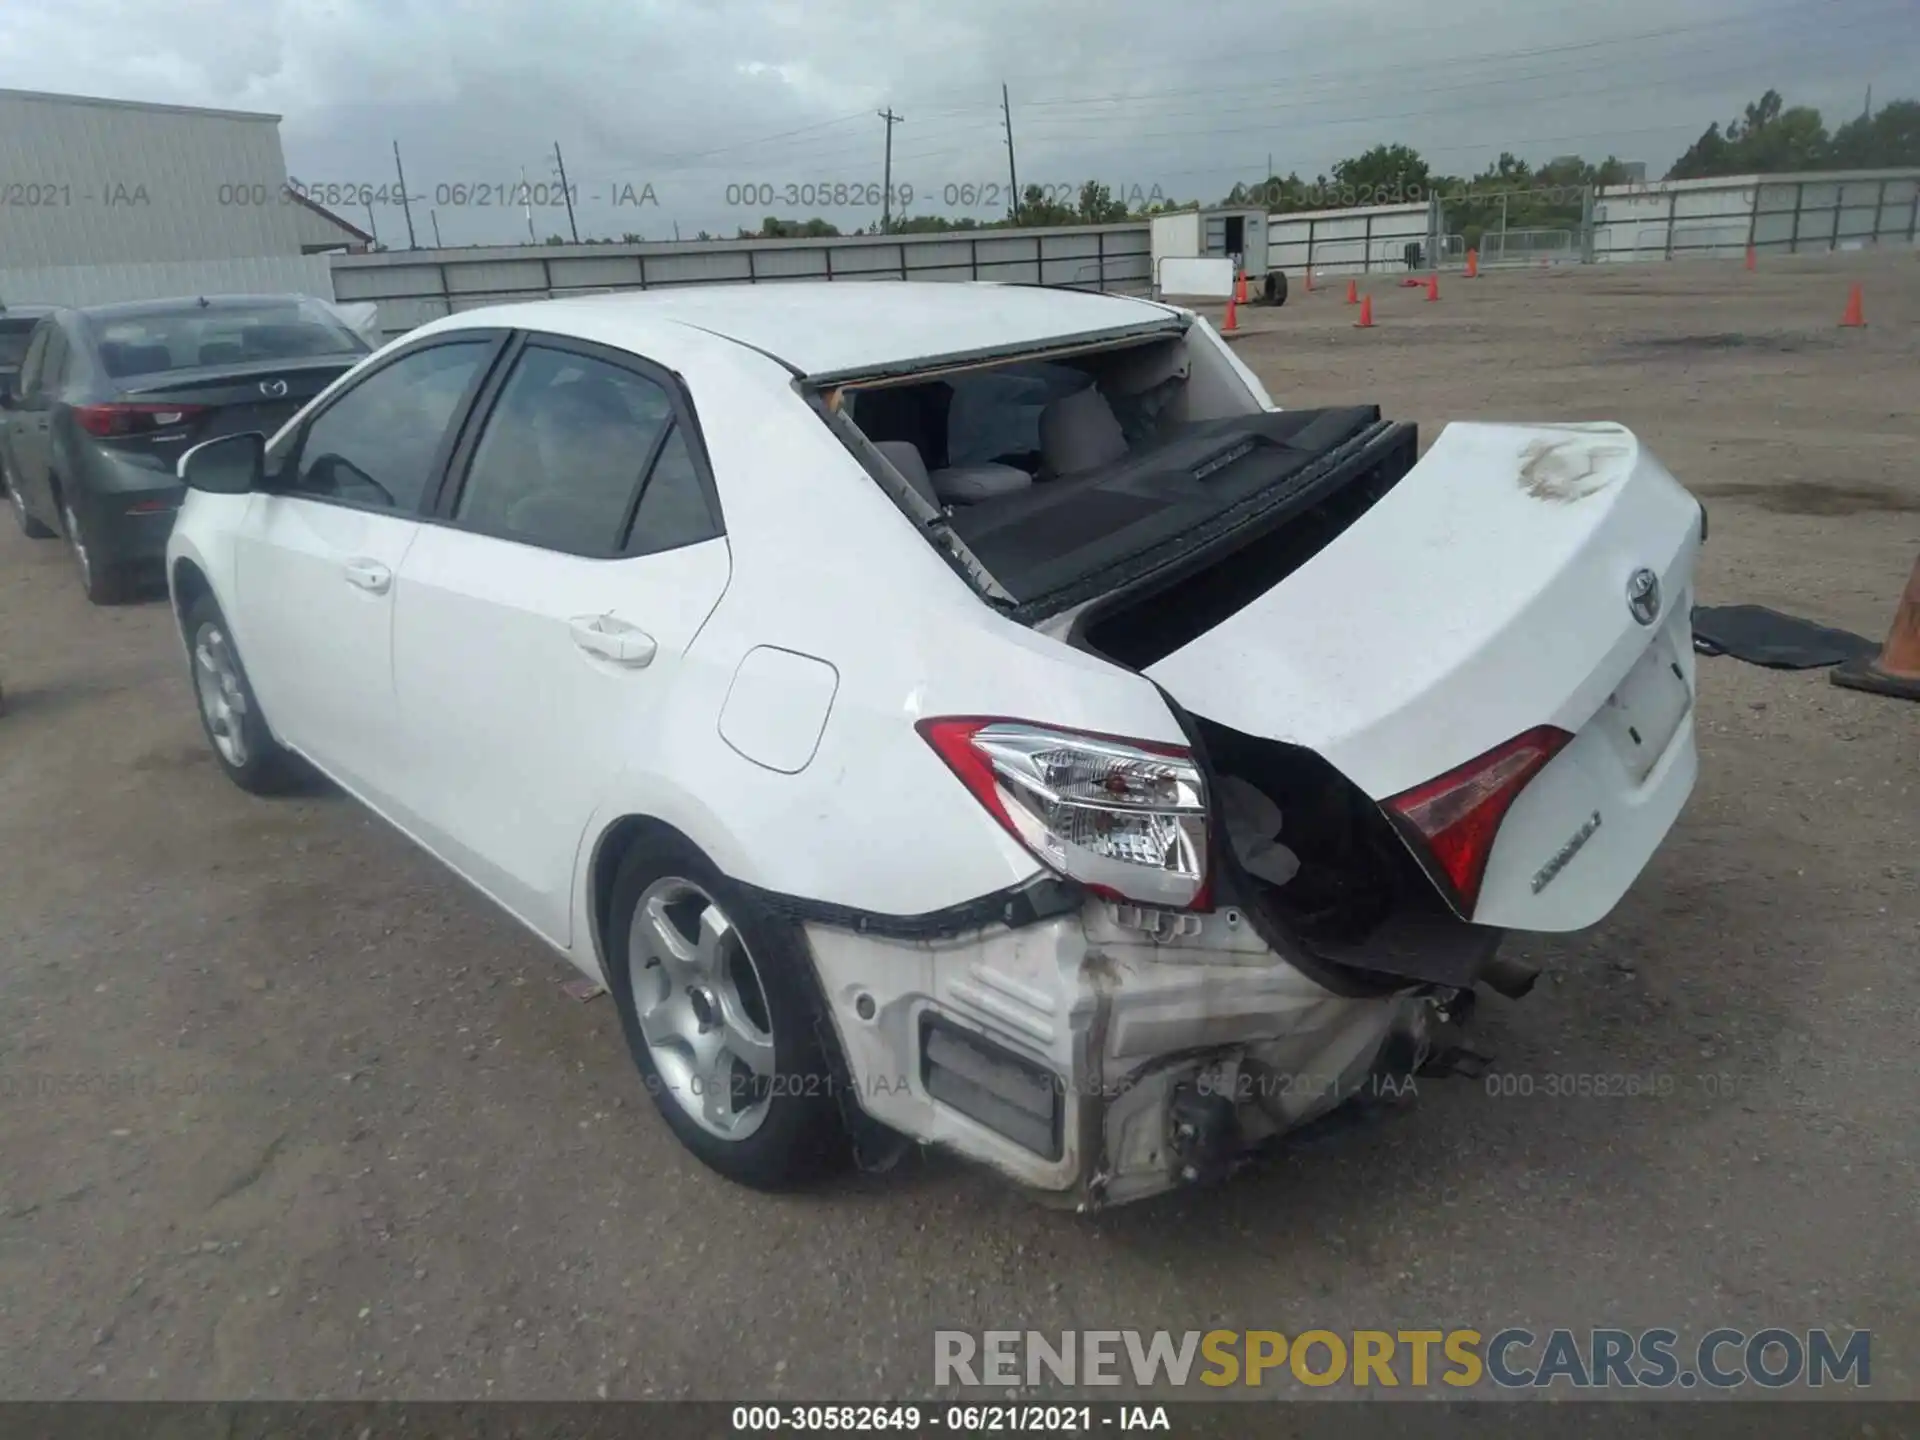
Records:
x=1127, y=818
x=1456, y=816
x=116, y=421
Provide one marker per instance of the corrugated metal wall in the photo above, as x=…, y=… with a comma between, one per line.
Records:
x=1349, y=241
x=96, y=182
x=1785, y=214
x=104, y=284
x=412, y=287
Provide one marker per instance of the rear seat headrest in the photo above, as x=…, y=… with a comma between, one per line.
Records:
x=1080, y=432
x=905, y=457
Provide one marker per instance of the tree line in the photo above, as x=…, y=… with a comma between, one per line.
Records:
x=1768, y=137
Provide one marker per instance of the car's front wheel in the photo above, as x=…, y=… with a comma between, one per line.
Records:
x=229, y=712
x=719, y=1008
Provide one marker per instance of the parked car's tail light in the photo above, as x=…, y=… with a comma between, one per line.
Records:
x=1456, y=816
x=1126, y=818
x=116, y=420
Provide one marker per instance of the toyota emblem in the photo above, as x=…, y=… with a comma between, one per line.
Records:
x=273, y=389
x=1643, y=596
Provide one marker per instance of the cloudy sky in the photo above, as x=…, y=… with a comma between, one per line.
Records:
x=696, y=113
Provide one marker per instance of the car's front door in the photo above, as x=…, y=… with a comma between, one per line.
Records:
x=540, y=626
x=320, y=551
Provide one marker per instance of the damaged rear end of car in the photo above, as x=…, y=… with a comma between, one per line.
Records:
x=1423, y=701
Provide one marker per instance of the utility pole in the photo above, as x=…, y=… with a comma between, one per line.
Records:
x=566, y=193
x=1013, y=180
x=434, y=216
x=886, y=177
x=526, y=194
x=405, y=208
x=372, y=229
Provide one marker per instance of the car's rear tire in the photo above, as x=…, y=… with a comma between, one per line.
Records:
x=721, y=1012
x=29, y=526
x=104, y=582
x=229, y=712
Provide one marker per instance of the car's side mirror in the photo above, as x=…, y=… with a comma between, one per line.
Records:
x=230, y=465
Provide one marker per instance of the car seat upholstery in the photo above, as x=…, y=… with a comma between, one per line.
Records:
x=969, y=484
x=1080, y=432
x=905, y=457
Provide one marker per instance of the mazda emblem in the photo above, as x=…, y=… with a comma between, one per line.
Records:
x=273, y=389
x=1643, y=596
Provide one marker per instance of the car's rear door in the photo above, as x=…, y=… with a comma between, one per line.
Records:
x=541, y=623
x=320, y=551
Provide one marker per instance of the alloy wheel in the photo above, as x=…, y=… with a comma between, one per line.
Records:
x=702, y=1008
x=223, y=699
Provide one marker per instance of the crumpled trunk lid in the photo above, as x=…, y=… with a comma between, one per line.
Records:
x=1491, y=590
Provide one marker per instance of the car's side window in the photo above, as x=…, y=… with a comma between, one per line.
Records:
x=673, y=507
x=564, y=451
x=377, y=443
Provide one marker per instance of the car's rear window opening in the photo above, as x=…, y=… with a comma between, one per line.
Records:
x=197, y=336
x=1054, y=471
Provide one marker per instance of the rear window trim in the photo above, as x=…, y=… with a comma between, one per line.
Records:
x=1171, y=326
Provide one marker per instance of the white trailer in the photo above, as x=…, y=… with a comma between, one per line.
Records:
x=1201, y=253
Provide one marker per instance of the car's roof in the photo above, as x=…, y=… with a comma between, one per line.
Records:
x=847, y=327
x=24, y=312
x=128, y=309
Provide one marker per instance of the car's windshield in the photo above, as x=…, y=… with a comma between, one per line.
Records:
x=195, y=336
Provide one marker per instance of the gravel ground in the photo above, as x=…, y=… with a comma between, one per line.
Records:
x=287, y=1111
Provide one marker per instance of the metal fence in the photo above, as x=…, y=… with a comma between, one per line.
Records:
x=1350, y=241
x=412, y=287
x=1528, y=247
x=1781, y=214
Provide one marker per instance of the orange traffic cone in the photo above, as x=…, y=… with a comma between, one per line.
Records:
x=1433, y=287
x=1855, y=318
x=1473, y=264
x=1751, y=264
x=1232, y=322
x=1896, y=670
x=1353, y=292
x=1240, y=288
x=1365, y=322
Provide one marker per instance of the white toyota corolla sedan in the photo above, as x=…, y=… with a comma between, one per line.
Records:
x=957, y=713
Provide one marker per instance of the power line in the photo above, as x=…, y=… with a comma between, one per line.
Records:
x=1052, y=127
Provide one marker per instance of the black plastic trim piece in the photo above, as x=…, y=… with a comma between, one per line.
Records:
x=1045, y=897
x=1241, y=523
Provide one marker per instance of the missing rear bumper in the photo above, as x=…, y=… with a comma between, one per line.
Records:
x=1096, y=1063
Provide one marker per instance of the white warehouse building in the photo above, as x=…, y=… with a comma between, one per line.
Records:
x=116, y=200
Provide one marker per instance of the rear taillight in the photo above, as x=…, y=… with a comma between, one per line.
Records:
x=116, y=421
x=1126, y=818
x=1455, y=818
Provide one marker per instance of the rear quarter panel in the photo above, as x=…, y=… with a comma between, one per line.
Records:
x=826, y=566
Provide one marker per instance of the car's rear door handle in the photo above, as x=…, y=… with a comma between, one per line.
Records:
x=615, y=640
x=370, y=575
